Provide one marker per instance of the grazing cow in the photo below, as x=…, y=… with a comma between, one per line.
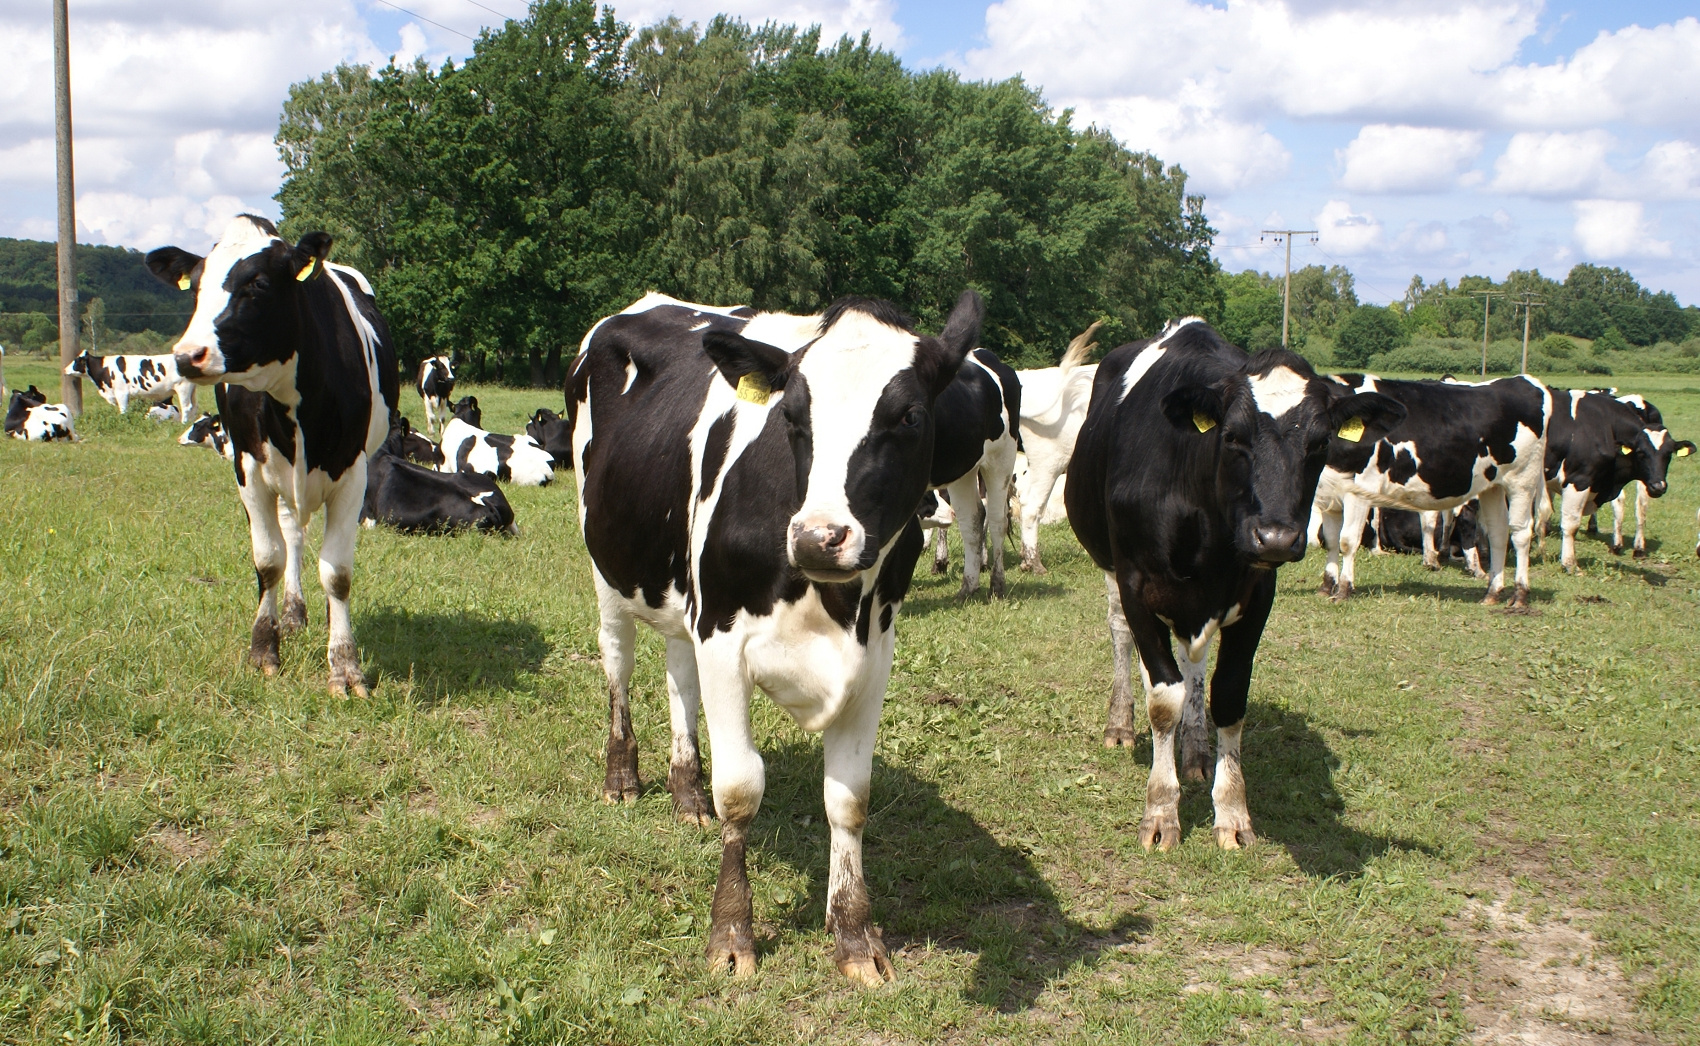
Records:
x=30, y=417
x=467, y=410
x=554, y=434
x=1457, y=442
x=1188, y=486
x=307, y=385
x=1598, y=446
x=120, y=379
x=935, y=515
x=977, y=424
x=208, y=431
x=1053, y=406
x=436, y=383
x=748, y=484
x=418, y=500
x=468, y=448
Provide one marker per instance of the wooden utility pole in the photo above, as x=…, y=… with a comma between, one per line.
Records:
x=1487, y=299
x=1528, y=305
x=70, y=386
x=1286, y=235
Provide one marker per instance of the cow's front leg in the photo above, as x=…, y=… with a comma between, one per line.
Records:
x=858, y=948
x=1040, y=482
x=1354, y=514
x=1616, y=526
x=1494, y=518
x=1118, y=725
x=1195, y=732
x=684, y=771
x=970, y=523
x=617, y=639
x=941, y=554
x=1331, y=525
x=1165, y=694
x=1520, y=511
x=1431, y=526
x=739, y=779
x=1573, y=502
x=294, y=617
x=1642, y=503
x=336, y=575
x=265, y=532
x=1229, y=686
x=1000, y=472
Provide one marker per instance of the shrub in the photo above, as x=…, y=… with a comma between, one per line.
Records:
x=1367, y=331
x=1557, y=346
x=1690, y=348
x=1587, y=366
x=1611, y=341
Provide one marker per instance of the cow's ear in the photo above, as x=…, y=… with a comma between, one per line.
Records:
x=1365, y=417
x=175, y=266
x=1195, y=408
x=738, y=358
x=1684, y=448
x=310, y=255
x=938, y=359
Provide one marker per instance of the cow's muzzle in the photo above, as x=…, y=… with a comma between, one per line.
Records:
x=1278, y=543
x=1657, y=488
x=200, y=363
x=825, y=550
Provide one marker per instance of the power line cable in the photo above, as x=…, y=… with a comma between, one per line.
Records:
x=492, y=10
x=422, y=18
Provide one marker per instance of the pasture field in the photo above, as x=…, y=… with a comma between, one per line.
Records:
x=1473, y=826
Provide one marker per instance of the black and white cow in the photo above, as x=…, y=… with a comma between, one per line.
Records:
x=30, y=417
x=307, y=385
x=748, y=484
x=936, y=517
x=1053, y=407
x=1668, y=447
x=1457, y=442
x=208, y=431
x=1190, y=483
x=408, y=443
x=1598, y=446
x=554, y=434
x=152, y=379
x=466, y=409
x=468, y=448
x=977, y=425
x=417, y=500
x=436, y=383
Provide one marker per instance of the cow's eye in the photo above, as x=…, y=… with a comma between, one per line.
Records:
x=914, y=418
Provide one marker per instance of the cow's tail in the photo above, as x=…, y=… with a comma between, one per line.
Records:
x=1079, y=351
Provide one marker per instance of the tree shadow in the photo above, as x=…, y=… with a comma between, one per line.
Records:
x=449, y=653
x=936, y=877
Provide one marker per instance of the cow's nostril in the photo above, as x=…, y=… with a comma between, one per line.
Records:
x=836, y=536
x=199, y=359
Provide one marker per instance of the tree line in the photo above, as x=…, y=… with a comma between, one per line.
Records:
x=502, y=205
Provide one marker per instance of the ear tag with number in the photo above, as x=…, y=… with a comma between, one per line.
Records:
x=753, y=388
x=1625, y=449
x=1203, y=422
x=1683, y=452
x=306, y=274
x=1352, y=431
x=183, y=282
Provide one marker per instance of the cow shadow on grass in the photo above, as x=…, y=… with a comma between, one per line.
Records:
x=448, y=653
x=936, y=878
x=1466, y=590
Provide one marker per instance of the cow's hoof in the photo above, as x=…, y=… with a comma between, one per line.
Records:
x=1342, y=592
x=1119, y=736
x=1431, y=566
x=940, y=566
x=1616, y=550
x=1570, y=568
x=731, y=952
x=1031, y=563
x=294, y=617
x=1160, y=828
x=1236, y=834
x=267, y=668
x=620, y=786
x=860, y=955
x=691, y=806
x=1492, y=598
x=1520, y=598
x=1640, y=553
x=1326, y=588
x=1000, y=588
x=963, y=593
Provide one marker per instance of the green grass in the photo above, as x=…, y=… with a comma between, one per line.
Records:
x=1449, y=799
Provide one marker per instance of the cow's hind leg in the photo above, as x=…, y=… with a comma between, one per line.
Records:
x=1195, y=732
x=1354, y=512
x=1431, y=525
x=970, y=523
x=1494, y=518
x=1572, y=501
x=999, y=472
x=617, y=639
x=684, y=771
x=336, y=575
x=738, y=779
x=1165, y=694
x=1331, y=522
x=270, y=558
x=294, y=616
x=858, y=948
x=1642, y=503
x=1229, y=686
x=1040, y=482
x=1616, y=526
x=1118, y=726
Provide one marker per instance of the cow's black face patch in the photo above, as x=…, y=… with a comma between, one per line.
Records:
x=889, y=471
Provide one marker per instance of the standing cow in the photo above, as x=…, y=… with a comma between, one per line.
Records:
x=309, y=383
x=747, y=486
x=435, y=384
x=1053, y=407
x=1189, y=485
x=152, y=379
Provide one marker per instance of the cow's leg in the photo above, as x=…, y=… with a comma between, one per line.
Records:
x=430, y=416
x=1543, y=521
x=336, y=575
x=617, y=639
x=1520, y=509
x=1494, y=519
x=1642, y=502
x=1195, y=731
x=1375, y=543
x=1443, y=547
x=294, y=616
x=684, y=699
x=739, y=779
x=1431, y=525
x=1041, y=481
x=184, y=392
x=270, y=557
x=970, y=523
x=998, y=470
x=1118, y=727
x=1616, y=545
x=849, y=744
x=1572, y=502
x=1165, y=696
x=1228, y=689
x=1332, y=523
x=1354, y=511
x=941, y=554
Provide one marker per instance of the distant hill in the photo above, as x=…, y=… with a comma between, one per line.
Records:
x=134, y=299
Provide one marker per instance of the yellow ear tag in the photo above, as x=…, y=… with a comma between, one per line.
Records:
x=753, y=388
x=1625, y=449
x=1683, y=452
x=1352, y=431
x=1203, y=422
x=183, y=283
x=306, y=274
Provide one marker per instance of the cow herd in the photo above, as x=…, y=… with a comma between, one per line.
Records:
x=759, y=487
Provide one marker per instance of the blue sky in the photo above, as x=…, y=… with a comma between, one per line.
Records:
x=1428, y=137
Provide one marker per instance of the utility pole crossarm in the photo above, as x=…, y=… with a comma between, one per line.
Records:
x=1286, y=236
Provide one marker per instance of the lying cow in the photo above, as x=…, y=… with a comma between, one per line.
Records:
x=30, y=417
x=120, y=379
x=467, y=448
x=208, y=431
x=436, y=382
x=1189, y=485
x=409, y=444
x=1053, y=406
x=466, y=409
x=748, y=484
x=554, y=434
x=1457, y=442
x=977, y=424
x=307, y=381
x=418, y=500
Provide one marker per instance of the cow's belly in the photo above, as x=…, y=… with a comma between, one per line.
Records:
x=278, y=475
x=669, y=618
x=809, y=665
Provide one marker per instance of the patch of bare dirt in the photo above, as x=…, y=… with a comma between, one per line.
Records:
x=180, y=847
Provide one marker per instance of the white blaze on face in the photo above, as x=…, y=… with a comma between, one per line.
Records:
x=1279, y=391
x=241, y=239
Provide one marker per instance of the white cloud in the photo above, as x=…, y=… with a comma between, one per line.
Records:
x=1671, y=171
x=1388, y=158
x=147, y=222
x=1219, y=155
x=1555, y=164
x=1423, y=238
x=1607, y=229
x=1344, y=231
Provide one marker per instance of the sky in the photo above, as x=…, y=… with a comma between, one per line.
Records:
x=1426, y=137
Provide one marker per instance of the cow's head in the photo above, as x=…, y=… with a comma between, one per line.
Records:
x=250, y=292
x=1265, y=433
x=1644, y=446
x=857, y=407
